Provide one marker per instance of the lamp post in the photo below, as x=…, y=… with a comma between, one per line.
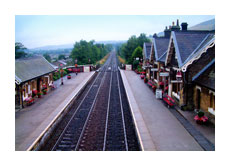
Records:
x=61, y=71
x=76, y=65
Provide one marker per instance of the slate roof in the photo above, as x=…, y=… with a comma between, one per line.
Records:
x=206, y=77
x=189, y=43
x=147, y=50
x=30, y=68
x=160, y=45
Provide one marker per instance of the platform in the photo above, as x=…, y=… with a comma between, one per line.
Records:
x=157, y=128
x=33, y=121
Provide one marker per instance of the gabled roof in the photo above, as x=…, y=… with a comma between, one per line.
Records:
x=206, y=77
x=160, y=45
x=190, y=43
x=147, y=50
x=30, y=68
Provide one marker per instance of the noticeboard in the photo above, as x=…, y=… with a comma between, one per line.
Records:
x=128, y=67
x=159, y=93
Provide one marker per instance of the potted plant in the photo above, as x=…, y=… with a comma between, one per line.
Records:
x=34, y=93
x=39, y=94
x=69, y=76
x=142, y=76
x=145, y=79
x=200, y=118
x=44, y=91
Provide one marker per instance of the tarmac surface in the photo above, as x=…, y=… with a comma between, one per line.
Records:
x=165, y=131
x=31, y=121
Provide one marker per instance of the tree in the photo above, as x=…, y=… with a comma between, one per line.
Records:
x=88, y=52
x=20, y=50
x=61, y=57
x=47, y=56
x=127, y=49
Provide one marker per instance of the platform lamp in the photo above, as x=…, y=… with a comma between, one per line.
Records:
x=75, y=65
x=61, y=71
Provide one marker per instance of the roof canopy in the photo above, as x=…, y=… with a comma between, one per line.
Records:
x=147, y=50
x=30, y=68
x=188, y=45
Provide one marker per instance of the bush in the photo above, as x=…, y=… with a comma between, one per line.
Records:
x=200, y=114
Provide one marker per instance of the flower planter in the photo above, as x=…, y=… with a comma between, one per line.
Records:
x=68, y=77
x=142, y=76
x=200, y=120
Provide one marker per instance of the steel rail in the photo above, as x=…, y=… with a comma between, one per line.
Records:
x=107, y=115
x=63, y=132
x=122, y=114
x=91, y=109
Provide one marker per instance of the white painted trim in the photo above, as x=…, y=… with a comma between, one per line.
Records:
x=198, y=55
x=210, y=91
x=198, y=87
x=211, y=110
x=166, y=59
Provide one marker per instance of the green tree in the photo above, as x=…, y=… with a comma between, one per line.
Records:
x=20, y=50
x=127, y=49
x=61, y=56
x=47, y=57
x=137, y=53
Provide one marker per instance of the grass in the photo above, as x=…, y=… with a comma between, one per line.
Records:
x=102, y=61
x=122, y=60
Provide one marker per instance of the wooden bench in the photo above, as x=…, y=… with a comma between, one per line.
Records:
x=169, y=101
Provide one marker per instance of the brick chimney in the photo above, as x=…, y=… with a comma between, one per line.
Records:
x=184, y=26
x=167, y=32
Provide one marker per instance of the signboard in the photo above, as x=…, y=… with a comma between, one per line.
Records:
x=154, y=69
x=158, y=93
x=164, y=74
x=128, y=67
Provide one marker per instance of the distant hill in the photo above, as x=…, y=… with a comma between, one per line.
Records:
x=110, y=42
x=207, y=25
x=70, y=46
x=53, y=47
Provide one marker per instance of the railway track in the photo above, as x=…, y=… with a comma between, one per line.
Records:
x=102, y=119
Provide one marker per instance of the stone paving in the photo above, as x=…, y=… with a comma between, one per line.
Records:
x=197, y=135
x=32, y=120
x=166, y=132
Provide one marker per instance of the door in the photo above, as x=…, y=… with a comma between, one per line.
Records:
x=198, y=98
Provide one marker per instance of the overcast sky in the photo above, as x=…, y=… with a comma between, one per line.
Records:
x=41, y=30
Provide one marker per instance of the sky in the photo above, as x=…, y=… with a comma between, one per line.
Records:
x=41, y=30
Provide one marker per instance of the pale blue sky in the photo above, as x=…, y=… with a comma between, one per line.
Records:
x=41, y=30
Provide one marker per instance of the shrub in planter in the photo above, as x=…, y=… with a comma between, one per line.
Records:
x=146, y=80
x=142, y=76
x=39, y=94
x=44, y=91
x=200, y=118
x=34, y=93
x=69, y=76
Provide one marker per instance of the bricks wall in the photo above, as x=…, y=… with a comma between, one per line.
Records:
x=192, y=70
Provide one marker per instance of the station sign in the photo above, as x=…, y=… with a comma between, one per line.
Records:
x=154, y=69
x=158, y=93
x=164, y=74
x=128, y=67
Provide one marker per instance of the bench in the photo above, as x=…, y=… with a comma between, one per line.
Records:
x=169, y=101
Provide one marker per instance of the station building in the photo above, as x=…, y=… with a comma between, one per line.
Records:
x=182, y=64
x=31, y=74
